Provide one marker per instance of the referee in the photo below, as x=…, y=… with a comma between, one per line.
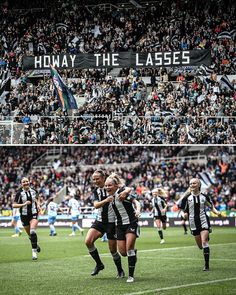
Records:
x=26, y=200
x=194, y=203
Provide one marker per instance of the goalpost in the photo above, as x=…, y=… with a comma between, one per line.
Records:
x=11, y=132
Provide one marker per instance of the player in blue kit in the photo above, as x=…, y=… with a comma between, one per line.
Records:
x=15, y=222
x=74, y=211
x=52, y=209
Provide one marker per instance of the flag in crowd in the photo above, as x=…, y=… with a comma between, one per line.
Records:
x=41, y=48
x=5, y=82
x=62, y=26
x=191, y=136
x=201, y=98
x=227, y=34
x=224, y=81
x=63, y=93
x=207, y=179
x=175, y=39
x=206, y=71
x=4, y=42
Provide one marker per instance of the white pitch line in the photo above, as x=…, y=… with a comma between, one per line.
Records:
x=185, y=258
x=179, y=248
x=181, y=286
x=167, y=249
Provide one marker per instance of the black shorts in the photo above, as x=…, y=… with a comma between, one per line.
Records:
x=197, y=231
x=161, y=217
x=108, y=228
x=25, y=219
x=122, y=230
x=183, y=218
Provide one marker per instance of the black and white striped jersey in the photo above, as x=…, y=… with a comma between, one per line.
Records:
x=30, y=195
x=158, y=204
x=124, y=210
x=105, y=214
x=196, y=206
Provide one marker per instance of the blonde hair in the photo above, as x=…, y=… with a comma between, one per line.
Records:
x=117, y=179
x=160, y=191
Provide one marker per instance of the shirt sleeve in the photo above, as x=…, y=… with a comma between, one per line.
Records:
x=209, y=201
x=153, y=203
x=131, y=197
x=182, y=204
x=36, y=193
x=17, y=198
x=95, y=196
x=163, y=202
x=121, y=189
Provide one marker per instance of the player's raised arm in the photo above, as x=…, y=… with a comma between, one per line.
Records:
x=17, y=205
x=99, y=204
x=211, y=205
x=124, y=194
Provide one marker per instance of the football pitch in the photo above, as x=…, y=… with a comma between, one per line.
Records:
x=64, y=266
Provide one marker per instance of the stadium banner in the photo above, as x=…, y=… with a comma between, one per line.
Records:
x=65, y=221
x=119, y=60
x=214, y=221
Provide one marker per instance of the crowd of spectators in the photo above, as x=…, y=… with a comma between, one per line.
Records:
x=156, y=129
x=156, y=167
x=173, y=107
x=123, y=112
x=162, y=26
x=128, y=96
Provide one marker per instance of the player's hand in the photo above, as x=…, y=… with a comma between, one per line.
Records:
x=27, y=203
x=109, y=199
x=163, y=210
x=137, y=213
x=122, y=196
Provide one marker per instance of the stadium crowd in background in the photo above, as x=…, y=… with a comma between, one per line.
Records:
x=155, y=129
x=67, y=27
x=151, y=172
x=72, y=29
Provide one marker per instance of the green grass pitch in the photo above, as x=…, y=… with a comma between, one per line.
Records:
x=64, y=265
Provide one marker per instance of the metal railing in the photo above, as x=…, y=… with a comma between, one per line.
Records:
x=49, y=152
x=193, y=159
x=113, y=116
